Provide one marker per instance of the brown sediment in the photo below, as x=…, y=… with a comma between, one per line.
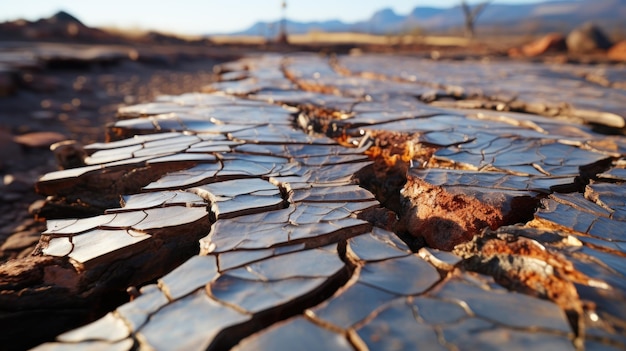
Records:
x=444, y=219
x=398, y=149
x=387, y=175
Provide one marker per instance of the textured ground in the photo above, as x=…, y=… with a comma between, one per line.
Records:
x=53, y=95
x=343, y=203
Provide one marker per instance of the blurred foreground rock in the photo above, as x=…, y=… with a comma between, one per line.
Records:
x=587, y=39
x=350, y=203
x=553, y=42
x=587, y=42
x=618, y=51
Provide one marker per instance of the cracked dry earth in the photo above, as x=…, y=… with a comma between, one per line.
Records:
x=345, y=203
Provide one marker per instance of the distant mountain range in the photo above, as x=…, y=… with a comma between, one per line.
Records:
x=557, y=15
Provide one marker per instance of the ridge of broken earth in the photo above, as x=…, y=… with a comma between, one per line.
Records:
x=516, y=263
x=426, y=214
x=462, y=213
x=441, y=218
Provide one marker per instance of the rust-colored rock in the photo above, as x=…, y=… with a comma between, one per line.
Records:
x=445, y=219
x=554, y=286
x=618, y=51
x=553, y=42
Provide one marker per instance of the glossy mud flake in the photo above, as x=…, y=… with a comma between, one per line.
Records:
x=193, y=274
x=397, y=327
x=356, y=202
x=351, y=305
x=170, y=217
x=137, y=312
x=509, y=309
x=408, y=275
x=297, y=333
x=479, y=334
x=97, y=244
x=377, y=245
x=160, y=199
x=240, y=234
x=581, y=216
x=204, y=319
x=241, y=196
x=108, y=328
x=346, y=193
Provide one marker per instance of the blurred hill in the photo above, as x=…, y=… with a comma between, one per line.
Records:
x=503, y=19
x=63, y=27
x=558, y=15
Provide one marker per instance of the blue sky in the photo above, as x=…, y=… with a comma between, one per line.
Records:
x=208, y=16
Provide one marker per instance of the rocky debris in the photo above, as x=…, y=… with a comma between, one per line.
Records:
x=258, y=210
x=587, y=38
x=39, y=139
x=69, y=154
x=617, y=52
x=447, y=216
x=550, y=43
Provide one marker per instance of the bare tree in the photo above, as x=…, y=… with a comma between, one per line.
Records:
x=471, y=14
x=282, y=35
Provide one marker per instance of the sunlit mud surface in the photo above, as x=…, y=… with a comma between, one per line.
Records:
x=343, y=203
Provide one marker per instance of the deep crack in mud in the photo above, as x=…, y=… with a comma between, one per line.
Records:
x=460, y=219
